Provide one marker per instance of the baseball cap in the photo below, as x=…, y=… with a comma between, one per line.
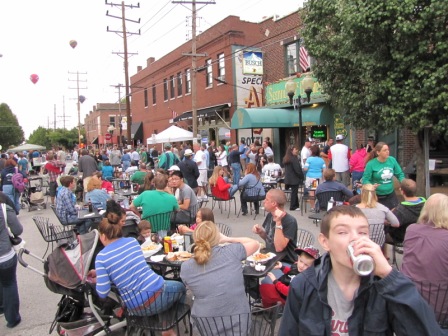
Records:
x=167, y=146
x=188, y=152
x=339, y=137
x=310, y=250
x=173, y=168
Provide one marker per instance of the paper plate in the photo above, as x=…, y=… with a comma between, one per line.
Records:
x=148, y=253
x=252, y=258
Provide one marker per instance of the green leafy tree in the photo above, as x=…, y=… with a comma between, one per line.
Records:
x=384, y=63
x=40, y=137
x=11, y=134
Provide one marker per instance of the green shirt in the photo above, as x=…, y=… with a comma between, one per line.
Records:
x=382, y=173
x=155, y=202
x=138, y=177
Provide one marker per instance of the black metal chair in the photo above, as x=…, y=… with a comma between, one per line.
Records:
x=252, y=195
x=224, y=229
x=322, y=204
x=220, y=201
x=52, y=233
x=304, y=238
x=397, y=248
x=260, y=322
x=436, y=294
x=150, y=316
x=376, y=233
x=62, y=221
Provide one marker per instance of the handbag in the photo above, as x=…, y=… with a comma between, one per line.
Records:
x=16, y=241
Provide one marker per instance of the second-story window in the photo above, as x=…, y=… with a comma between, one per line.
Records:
x=111, y=120
x=145, y=94
x=179, y=83
x=172, y=87
x=187, y=81
x=165, y=89
x=154, y=99
x=221, y=67
x=208, y=73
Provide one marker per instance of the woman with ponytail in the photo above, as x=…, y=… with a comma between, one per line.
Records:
x=214, y=274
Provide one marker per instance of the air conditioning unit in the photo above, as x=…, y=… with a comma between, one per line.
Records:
x=221, y=78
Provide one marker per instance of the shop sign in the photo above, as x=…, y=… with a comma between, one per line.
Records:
x=252, y=63
x=275, y=92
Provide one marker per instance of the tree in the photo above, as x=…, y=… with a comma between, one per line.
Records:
x=383, y=63
x=40, y=137
x=11, y=134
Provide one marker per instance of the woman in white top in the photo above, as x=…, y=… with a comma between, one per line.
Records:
x=252, y=154
x=221, y=156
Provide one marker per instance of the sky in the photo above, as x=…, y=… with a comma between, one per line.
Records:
x=35, y=39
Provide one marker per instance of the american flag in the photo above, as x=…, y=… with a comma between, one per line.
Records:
x=304, y=59
x=174, y=114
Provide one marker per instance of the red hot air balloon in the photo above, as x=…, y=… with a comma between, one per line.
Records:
x=34, y=78
x=73, y=44
x=82, y=99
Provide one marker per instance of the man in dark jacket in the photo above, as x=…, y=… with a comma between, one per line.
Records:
x=189, y=170
x=87, y=166
x=407, y=212
x=329, y=298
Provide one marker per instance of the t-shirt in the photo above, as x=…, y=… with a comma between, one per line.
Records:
x=340, y=156
x=382, y=173
x=138, y=177
x=314, y=164
x=224, y=271
x=155, y=202
x=185, y=192
x=202, y=158
x=289, y=224
x=341, y=308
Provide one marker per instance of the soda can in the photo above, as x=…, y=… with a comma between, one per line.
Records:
x=363, y=264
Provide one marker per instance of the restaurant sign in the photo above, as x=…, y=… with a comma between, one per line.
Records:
x=275, y=92
x=252, y=63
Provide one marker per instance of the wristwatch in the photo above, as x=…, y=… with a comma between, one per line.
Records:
x=280, y=227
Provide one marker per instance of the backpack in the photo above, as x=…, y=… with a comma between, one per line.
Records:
x=18, y=182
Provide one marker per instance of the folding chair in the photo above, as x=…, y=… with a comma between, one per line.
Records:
x=224, y=229
x=376, y=233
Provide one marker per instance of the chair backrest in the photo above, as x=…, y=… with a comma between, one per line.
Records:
x=252, y=194
x=263, y=320
x=436, y=294
x=238, y=324
x=61, y=220
x=161, y=221
x=376, y=233
x=325, y=196
x=145, y=310
x=43, y=226
x=224, y=229
x=304, y=238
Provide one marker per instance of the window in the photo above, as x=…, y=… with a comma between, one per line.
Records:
x=111, y=121
x=208, y=73
x=154, y=100
x=165, y=89
x=145, y=93
x=221, y=67
x=172, y=87
x=179, y=83
x=292, y=58
x=187, y=81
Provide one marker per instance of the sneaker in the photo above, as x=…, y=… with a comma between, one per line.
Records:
x=296, y=209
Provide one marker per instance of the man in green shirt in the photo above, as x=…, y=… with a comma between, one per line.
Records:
x=139, y=175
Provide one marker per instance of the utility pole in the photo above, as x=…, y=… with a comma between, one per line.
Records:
x=119, y=86
x=54, y=124
x=78, y=103
x=194, y=56
x=124, y=34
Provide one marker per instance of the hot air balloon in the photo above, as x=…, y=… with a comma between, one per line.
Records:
x=34, y=78
x=73, y=44
x=82, y=99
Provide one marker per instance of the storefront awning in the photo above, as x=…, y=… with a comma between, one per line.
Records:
x=280, y=118
x=201, y=113
x=137, y=131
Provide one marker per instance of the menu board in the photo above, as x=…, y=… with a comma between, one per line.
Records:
x=319, y=132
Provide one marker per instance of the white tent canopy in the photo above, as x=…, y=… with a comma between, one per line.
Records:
x=171, y=134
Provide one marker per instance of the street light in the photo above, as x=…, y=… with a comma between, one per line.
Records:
x=111, y=130
x=307, y=84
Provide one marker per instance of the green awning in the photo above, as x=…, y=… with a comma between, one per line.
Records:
x=280, y=118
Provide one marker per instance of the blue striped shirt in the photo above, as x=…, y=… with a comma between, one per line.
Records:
x=123, y=264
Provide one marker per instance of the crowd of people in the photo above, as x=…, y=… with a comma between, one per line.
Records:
x=321, y=292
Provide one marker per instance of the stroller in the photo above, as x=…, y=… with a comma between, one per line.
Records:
x=32, y=196
x=80, y=311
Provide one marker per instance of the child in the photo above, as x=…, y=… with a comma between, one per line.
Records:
x=144, y=227
x=278, y=290
x=203, y=214
x=331, y=299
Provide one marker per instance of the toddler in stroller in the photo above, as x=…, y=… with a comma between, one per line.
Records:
x=80, y=311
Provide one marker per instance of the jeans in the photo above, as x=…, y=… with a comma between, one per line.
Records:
x=356, y=176
x=126, y=165
x=9, y=293
x=172, y=291
x=13, y=195
x=294, y=197
x=236, y=170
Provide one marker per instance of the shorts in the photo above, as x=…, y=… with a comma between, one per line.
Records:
x=202, y=177
x=52, y=188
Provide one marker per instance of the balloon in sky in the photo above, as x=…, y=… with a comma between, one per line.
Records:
x=34, y=78
x=82, y=99
x=73, y=44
